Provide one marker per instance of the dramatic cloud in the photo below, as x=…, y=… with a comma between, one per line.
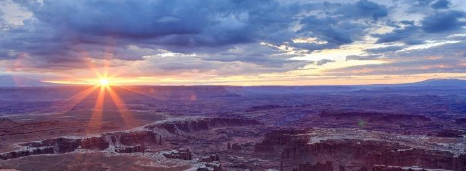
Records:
x=61, y=31
x=409, y=34
x=443, y=21
x=222, y=37
x=365, y=8
x=446, y=58
x=441, y=4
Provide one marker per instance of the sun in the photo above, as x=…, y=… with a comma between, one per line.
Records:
x=103, y=82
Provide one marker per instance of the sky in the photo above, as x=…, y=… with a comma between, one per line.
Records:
x=233, y=42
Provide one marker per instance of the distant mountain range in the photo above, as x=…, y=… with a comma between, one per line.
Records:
x=430, y=84
x=14, y=81
x=439, y=83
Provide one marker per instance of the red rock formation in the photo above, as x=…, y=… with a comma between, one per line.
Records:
x=236, y=147
x=133, y=138
x=211, y=167
x=277, y=138
x=131, y=149
x=95, y=143
x=214, y=166
x=184, y=154
x=211, y=158
x=27, y=152
x=61, y=145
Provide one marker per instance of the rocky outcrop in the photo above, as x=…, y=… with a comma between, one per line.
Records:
x=184, y=154
x=212, y=163
x=210, y=167
x=132, y=138
x=130, y=149
x=120, y=142
x=27, y=152
x=60, y=145
x=236, y=147
x=275, y=139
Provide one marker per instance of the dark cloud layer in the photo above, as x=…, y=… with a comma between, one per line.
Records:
x=60, y=32
x=443, y=21
x=440, y=22
x=406, y=35
x=65, y=34
x=441, y=4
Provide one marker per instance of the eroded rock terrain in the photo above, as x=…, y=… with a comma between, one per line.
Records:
x=234, y=128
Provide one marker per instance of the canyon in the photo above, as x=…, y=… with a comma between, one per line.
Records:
x=235, y=128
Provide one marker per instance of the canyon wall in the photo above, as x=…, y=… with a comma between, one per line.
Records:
x=123, y=142
x=296, y=149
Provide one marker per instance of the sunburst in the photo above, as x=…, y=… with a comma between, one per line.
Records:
x=107, y=83
x=104, y=82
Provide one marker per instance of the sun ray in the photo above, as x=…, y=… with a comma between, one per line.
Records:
x=71, y=102
x=90, y=63
x=104, y=80
x=95, y=120
x=127, y=117
x=142, y=93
